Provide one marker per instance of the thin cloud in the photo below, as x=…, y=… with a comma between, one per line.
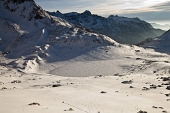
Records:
x=156, y=13
x=163, y=7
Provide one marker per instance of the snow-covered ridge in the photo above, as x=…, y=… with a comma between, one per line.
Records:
x=160, y=44
x=26, y=29
x=27, y=14
x=121, y=29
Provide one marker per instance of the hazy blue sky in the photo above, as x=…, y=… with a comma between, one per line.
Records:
x=149, y=10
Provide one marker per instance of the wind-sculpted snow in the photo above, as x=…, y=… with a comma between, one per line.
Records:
x=121, y=29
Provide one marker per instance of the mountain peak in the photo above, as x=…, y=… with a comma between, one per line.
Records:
x=112, y=16
x=58, y=12
x=17, y=9
x=86, y=12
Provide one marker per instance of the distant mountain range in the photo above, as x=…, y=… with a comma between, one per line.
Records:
x=121, y=29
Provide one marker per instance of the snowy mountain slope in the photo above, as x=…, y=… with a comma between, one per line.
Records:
x=121, y=29
x=160, y=44
x=29, y=34
x=30, y=25
x=23, y=18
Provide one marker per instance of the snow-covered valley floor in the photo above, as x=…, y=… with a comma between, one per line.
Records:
x=95, y=82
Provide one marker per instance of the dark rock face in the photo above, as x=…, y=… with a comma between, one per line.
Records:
x=36, y=12
x=20, y=1
x=39, y=13
x=17, y=1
